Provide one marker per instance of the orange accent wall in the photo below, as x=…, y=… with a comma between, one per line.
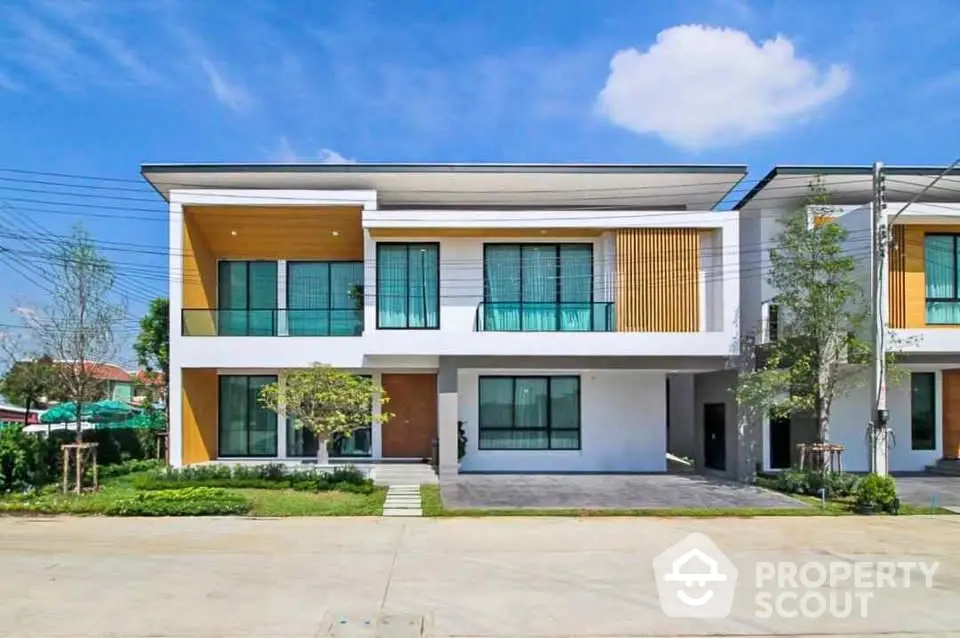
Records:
x=951, y=414
x=199, y=415
x=658, y=280
x=907, y=290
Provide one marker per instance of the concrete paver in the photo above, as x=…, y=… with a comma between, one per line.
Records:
x=505, y=577
x=604, y=491
x=927, y=488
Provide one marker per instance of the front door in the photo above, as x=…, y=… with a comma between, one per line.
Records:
x=410, y=432
x=780, y=443
x=714, y=439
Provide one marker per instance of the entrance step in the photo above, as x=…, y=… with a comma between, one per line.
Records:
x=403, y=500
x=391, y=474
x=945, y=467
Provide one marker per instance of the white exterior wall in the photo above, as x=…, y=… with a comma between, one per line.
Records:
x=623, y=425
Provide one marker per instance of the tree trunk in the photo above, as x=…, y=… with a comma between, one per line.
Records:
x=323, y=456
x=26, y=414
x=79, y=421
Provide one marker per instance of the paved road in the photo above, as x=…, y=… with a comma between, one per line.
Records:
x=464, y=577
x=593, y=491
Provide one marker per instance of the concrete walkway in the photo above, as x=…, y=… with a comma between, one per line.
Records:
x=403, y=500
x=924, y=489
x=504, y=577
x=608, y=491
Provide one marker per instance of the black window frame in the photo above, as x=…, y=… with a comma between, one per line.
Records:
x=956, y=279
x=288, y=427
x=273, y=311
x=406, y=312
x=329, y=307
x=548, y=430
x=220, y=404
x=559, y=283
x=931, y=378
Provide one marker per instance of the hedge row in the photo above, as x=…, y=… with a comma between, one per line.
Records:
x=271, y=476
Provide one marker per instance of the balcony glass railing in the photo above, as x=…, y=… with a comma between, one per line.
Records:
x=213, y=322
x=534, y=316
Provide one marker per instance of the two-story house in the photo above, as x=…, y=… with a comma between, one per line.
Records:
x=570, y=317
x=922, y=306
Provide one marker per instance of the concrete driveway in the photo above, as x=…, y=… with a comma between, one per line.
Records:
x=503, y=577
x=607, y=491
x=921, y=489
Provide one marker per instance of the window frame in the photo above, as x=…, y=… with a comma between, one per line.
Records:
x=330, y=309
x=220, y=403
x=932, y=376
x=275, y=311
x=559, y=283
x=956, y=279
x=549, y=429
x=406, y=299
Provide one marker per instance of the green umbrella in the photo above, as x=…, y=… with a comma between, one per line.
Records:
x=104, y=411
x=141, y=421
x=60, y=413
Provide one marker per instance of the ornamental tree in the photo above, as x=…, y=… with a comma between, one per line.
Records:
x=325, y=401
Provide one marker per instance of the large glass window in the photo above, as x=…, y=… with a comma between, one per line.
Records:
x=529, y=413
x=923, y=411
x=324, y=298
x=408, y=285
x=246, y=427
x=539, y=287
x=247, y=298
x=941, y=272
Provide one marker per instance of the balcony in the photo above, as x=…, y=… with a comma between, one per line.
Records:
x=213, y=322
x=527, y=316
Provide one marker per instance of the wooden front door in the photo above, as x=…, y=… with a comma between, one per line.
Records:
x=951, y=414
x=413, y=403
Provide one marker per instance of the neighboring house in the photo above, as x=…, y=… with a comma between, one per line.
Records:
x=922, y=309
x=118, y=383
x=142, y=382
x=573, y=317
x=14, y=414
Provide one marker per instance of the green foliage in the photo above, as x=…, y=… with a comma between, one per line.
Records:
x=190, y=501
x=132, y=466
x=28, y=381
x=114, y=445
x=810, y=483
x=822, y=310
x=153, y=342
x=272, y=476
x=878, y=493
x=23, y=460
x=325, y=400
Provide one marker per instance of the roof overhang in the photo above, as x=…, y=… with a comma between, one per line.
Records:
x=699, y=187
x=786, y=186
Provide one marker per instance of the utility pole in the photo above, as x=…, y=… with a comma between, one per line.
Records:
x=877, y=431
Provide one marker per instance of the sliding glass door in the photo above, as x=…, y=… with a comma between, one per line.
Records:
x=246, y=428
x=325, y=298
x=247, y=298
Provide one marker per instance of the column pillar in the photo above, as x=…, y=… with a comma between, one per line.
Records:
x=447, y=414
x=376, y=429
x=175, y=416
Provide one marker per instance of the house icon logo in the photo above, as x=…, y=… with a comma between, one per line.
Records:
x=695, y=579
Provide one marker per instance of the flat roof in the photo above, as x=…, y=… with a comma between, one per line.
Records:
x=788, y=185
x=700, y=186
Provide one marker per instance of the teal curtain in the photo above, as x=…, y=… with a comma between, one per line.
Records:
x=346, y=299
x=538, y=277
x=246, y=428
x=496, y=412
x=576, y=287
x=408, y=286
x=530, y=400
x=247, y=303
x=308, y=298
x=501, y=309
x=529, y=413
x=940, y=269
x=565, y=413
x=392, y=285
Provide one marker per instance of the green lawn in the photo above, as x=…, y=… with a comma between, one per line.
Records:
x=433, y=506
x=273, y=502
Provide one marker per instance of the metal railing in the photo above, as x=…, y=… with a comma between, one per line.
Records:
x=215, y=322
x=536, y=316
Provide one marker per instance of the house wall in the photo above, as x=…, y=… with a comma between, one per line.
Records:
x=199, y=416
x=743, y=436
x=623, y=425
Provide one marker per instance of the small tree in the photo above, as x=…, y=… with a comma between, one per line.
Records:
x=153, y=351
x=823, y=315
x=325, y=401
x=26, y=382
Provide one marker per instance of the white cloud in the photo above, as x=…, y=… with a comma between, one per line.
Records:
x=232, y=95
x=328, y=156
x=286, y=153
x=699, y=87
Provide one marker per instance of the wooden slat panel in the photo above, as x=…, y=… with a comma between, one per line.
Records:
x=951, y=414
x=898, y=282
x=658, y=280
x=199, y=415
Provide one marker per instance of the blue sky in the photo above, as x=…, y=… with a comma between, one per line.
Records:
x=94, y=88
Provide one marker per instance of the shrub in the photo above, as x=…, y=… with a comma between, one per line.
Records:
x=23, y=460
x=270, y=476
x=810, y=483
x=794, y=482
x=129, y=467
x=875, y=492
x=190, y=501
